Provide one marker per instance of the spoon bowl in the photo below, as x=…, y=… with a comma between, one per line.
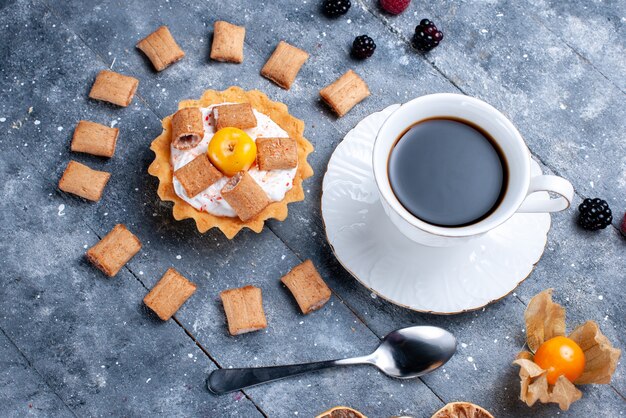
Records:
x=405, y=353
x=412, y=352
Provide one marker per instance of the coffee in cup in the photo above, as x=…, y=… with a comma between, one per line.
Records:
x=448, y=172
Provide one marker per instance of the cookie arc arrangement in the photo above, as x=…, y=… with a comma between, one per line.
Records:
x=111, y=253
x=243, y=307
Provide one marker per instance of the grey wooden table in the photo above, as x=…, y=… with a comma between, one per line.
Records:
x=73, y=342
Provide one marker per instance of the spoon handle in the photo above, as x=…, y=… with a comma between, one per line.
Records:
x=228, y=380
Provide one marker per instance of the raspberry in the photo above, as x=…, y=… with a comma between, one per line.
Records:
x=594, y=214
x=334, y=8
x=363, y=47
x=395, y=7
x=426, y=36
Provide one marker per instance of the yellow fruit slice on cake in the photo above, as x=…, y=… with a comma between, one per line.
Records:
x=231, y=150
x=462, y=410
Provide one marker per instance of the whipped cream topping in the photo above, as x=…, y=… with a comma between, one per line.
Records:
x=275, y=183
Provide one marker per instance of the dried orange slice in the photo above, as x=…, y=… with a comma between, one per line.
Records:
x=341, y=412
x=462, y=410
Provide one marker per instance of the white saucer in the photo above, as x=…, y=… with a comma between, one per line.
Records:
x=427, y=279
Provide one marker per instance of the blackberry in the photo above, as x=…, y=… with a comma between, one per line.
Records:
x=426, y=36
x=594, y=214
x=334, y=8
x=363, y=47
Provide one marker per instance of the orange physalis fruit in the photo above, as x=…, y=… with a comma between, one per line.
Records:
x=560, y=356
x=231, y=150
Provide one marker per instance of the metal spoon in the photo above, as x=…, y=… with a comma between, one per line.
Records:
x=405, y=353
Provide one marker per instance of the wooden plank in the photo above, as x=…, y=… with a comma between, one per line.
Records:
x=595, y=30
x=22, y=389
x=395, y=74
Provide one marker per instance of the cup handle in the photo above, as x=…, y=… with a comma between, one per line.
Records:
x=547, y=183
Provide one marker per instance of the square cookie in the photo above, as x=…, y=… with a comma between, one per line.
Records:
x=244, y=309
x=276, y=153
x=197, y=175
x=161, y=48
x=307, y=286
x=239, y=115
x=284, y=64
x=227, y=42
x=345, y=93
x=94, y=138
x=169, y=294
x=114, y=250
x=245, y=196
x=114, y=88
x=83, y=181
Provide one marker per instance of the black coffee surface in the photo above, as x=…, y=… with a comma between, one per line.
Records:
x=447, y=172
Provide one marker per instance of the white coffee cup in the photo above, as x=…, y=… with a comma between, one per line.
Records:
x=520, y=183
